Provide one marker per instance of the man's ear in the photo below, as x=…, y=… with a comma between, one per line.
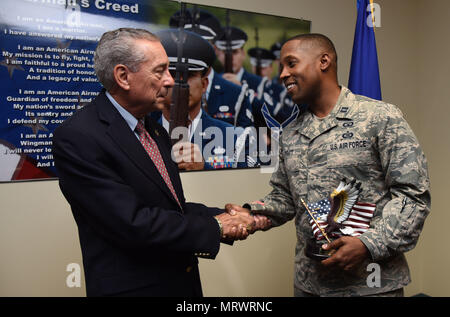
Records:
x=205, y=82
x=325, y=62
x=122, y=76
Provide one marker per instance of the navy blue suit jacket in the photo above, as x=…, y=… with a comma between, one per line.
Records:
x=134, y=237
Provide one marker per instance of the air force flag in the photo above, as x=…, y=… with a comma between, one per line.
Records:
x=364, y=76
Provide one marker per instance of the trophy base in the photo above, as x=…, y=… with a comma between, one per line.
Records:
x=314, y=251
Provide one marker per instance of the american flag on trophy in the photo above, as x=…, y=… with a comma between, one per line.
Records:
x=341, y=214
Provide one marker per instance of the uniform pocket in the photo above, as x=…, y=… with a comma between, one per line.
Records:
x=293, y=160
x=358, y=165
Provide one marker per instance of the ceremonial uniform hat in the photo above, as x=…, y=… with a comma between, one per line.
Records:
x=236, y=36
x=199, y=21
x=265, y=56
x=197, y=53
x=276, y=49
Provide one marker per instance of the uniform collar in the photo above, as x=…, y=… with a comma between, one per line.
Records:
x=239, y=74
x=192, y=127
x=194, y=124
x=210, y=81
x=342, y=110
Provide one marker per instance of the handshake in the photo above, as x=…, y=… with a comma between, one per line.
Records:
x=238, y=222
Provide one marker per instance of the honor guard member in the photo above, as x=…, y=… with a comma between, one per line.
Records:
x=198, y=21
x=214, y=144
x=230, y=52
x=225, y=101
x=274, y=95
x=261, y=60
x=237, y=39
x=233, y=40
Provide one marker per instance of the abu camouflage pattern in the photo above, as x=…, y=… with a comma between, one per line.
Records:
x=363, y=139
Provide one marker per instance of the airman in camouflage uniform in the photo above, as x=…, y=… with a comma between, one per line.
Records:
x=363, y=139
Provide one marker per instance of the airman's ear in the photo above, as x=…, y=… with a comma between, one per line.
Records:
x=122, y=76
x=325, y=62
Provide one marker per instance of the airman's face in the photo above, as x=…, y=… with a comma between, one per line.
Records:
x=265, y=71
x=197, y=86
x=301, y=71
x=238, y=58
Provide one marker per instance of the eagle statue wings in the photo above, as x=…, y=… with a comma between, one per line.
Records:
x=342, y=200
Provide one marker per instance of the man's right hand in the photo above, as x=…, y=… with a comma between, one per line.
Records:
x=261, y=221
x=236, y=226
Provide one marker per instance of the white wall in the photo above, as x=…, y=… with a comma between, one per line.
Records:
x=432, y=49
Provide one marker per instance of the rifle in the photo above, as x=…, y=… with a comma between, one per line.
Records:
x=194, y=17
x=228, y=51
x=280, y=67
x=179, y=106
x=258, y=55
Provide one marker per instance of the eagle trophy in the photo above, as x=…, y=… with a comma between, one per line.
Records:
x=342, y=200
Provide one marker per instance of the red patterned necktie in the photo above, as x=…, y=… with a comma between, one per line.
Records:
x=152, y=149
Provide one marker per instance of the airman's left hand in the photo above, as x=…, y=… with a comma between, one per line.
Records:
x=349, y=253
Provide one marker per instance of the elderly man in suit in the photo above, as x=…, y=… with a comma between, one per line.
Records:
x=138, y=235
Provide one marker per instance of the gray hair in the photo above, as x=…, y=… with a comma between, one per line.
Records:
x=118, y=47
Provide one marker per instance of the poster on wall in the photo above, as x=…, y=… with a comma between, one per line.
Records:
x=46, y=69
